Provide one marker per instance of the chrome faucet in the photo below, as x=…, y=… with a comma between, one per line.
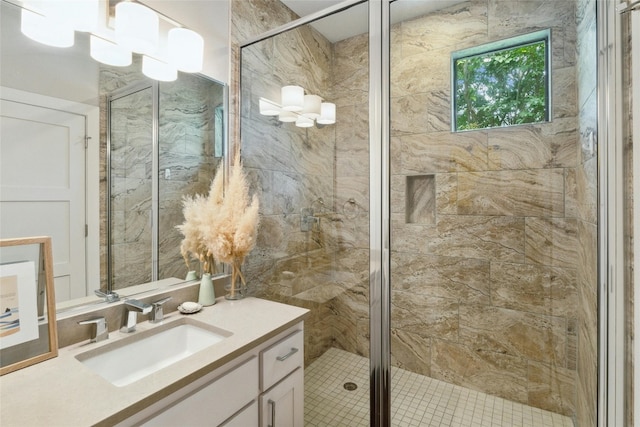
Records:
x=132, y=307
x=157, y=314
x=109, y=296
x=100, y=332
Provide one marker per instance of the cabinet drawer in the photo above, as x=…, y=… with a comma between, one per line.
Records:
x=281, y=359
x=216, y=401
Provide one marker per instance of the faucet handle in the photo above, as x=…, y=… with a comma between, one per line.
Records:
x=157, y=314
x=100, y=331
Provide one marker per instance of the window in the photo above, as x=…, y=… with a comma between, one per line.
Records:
x=503, y=83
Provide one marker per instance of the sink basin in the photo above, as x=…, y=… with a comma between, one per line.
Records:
x=146, y=352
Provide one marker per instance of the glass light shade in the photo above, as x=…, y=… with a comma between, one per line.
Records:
x=81, y=15
x=287, y=116
x=137, y=27
x=186, y=50
x=268, y=108
x=327, y=113
x=292, y=98
x=108, y=52
x=304, y=122
x=311, y=109
x=46, y=31
x=158, y=70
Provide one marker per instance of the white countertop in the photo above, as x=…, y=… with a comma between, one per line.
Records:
x=64, y=392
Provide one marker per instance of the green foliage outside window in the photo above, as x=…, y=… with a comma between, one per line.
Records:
x=502, y=88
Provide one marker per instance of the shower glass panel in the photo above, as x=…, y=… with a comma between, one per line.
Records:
x=493, y=233
x=313, y=182
x=131, y=159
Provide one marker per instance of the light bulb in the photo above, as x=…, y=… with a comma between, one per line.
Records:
x=287, y=116
x=327, y=113
x=311, y=108
x=46, y=31
x=137, y=27
x=292, y=98
x=268, y=108
x=158, y=70
x=186, y=50
x=109, y=53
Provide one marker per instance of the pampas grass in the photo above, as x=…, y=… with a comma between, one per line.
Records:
x=224, y=225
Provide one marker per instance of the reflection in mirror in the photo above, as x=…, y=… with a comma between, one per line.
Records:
x=53, y=184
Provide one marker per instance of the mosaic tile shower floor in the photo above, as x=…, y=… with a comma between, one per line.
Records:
x=416, y=400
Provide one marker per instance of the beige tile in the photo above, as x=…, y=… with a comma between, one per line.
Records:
x=424, y=315
x=409, y=114
x=411, y=352
x=459, y=279
x=521, y=287
x=446, y=194
x=519, y=193
x=551, y=241
x=444, y=152
x=442, y=29
x=494, y=373
x=481, y=237
x=564, y=292
x=551, y=387
x=531, y=336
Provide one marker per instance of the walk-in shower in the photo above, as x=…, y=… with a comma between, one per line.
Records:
x=483, y=305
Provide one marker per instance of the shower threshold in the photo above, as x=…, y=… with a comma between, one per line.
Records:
x=416, y=400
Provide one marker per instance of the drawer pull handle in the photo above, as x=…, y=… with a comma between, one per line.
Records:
x=288, y=355
x=273, y=413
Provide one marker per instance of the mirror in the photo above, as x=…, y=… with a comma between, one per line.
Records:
x=101, y=203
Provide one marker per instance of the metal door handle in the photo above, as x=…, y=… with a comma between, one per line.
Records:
x=288, y=355
x=273, y=413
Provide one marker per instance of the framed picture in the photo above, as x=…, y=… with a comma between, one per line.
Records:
x=28, y=332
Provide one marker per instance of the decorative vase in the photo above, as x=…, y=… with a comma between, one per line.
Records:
x=191, y=275
x=206, y=295
x=237, y=288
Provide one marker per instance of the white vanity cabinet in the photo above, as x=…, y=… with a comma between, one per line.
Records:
x=263, y=387
x=282, y=382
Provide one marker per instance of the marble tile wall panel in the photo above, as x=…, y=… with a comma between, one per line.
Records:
x=495, y=373
x=420, y=199
x=552, y=387
x=411, y=351
x=446, y=194
x=529, y=336
x=442, y=29
x=499, y=238
x=551, y=241
x=444, y=152
x=462, y=279
x=533, y=192
x=547, y=145
x=521, y=287
x=424, y=315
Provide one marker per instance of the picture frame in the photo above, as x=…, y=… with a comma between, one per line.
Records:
x=28, y=332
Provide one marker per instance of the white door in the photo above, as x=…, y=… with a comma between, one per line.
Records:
x=42, y=186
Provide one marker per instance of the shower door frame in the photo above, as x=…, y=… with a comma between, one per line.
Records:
x=155, y=111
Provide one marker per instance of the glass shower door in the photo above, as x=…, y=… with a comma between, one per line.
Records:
x=311, y=173
x=493, y=232
x=130, y=193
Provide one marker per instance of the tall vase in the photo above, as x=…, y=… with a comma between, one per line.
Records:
x=206, y=295
x=237, y=288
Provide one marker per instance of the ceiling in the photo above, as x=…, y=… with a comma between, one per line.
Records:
x=354, y=21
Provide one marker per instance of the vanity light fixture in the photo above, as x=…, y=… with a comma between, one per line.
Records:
x=49, y=32
x=304, y=110
x=165, y=44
